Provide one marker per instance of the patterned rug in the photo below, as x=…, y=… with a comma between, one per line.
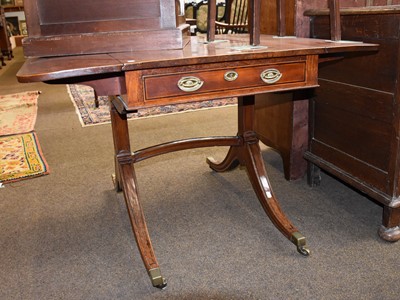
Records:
x=21, y=158
x=83, y=99
x=20, y=154
x=18, y=112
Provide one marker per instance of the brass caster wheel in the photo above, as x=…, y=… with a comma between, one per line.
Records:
x=300, y=241
x=304, y=251
x=161, y=286
x=156, y=279
x=117, y=187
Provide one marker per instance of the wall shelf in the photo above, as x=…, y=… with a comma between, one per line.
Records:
x=13, y=8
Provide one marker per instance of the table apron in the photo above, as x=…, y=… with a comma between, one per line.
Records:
x=192, y=83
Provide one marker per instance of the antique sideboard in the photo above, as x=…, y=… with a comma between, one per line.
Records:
x=354, y=118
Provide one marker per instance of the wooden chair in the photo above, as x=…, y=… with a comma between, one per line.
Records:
x=235, y=19
x=190, y=15
x=201, y=14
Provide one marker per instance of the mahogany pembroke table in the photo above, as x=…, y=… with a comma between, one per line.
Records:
x=225, y=67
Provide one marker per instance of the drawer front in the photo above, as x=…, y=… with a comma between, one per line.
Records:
x=219, y=80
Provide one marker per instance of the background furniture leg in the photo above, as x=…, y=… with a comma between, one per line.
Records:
x=313, y=175
x=390, y=229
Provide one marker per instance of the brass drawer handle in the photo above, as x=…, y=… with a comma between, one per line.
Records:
x=190, y=83
x=271, y=75
x=231, y=76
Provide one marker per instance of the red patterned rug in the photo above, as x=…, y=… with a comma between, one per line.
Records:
x=20, y=154
x=83, y=99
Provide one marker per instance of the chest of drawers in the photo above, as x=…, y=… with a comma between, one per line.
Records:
x=355, y=115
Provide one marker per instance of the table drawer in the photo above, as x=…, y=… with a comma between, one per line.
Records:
x=184, y=83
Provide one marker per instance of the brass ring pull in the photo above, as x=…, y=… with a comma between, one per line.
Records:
x=270, y=76
x=231, y=76
x=190, y=84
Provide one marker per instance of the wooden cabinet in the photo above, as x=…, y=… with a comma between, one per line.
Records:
x=354, y=118
x=59, y=28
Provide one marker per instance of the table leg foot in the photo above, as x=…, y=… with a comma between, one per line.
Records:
x=254, y=163
x=300, y=241
x=390, y=229
x=116, y=184
x=389, y=234
x=138, y=222
x=156, y=278
x=230, y=162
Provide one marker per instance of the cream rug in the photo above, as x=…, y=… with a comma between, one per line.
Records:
x=18, y=112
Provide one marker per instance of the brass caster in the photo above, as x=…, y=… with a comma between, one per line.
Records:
x=300, y=241
x=156, y=279
x=304, y=251
x=117, y=187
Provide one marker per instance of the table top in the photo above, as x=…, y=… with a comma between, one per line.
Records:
x=226, y=48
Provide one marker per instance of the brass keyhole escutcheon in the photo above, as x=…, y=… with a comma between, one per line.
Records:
x=231, y=76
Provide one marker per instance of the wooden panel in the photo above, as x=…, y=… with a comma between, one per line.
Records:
x=359, y=28
x=78, y=11
x=353, y=134
x=275, y=120
x=269, y=17
x=282, y=123
x=378, y=65
x=302, y=22
x=356, y=169
x=106, y=42
x=352, y=120
x=73, y=27
x=104, y=26
x=366, y=103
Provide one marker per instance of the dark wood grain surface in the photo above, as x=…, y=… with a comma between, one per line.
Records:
x=231, y=48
